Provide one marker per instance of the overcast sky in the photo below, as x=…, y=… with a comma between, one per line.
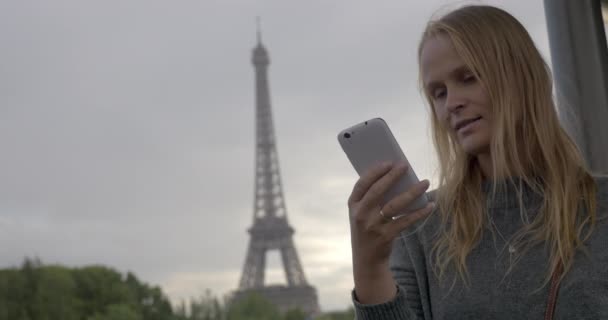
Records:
x=127, y=129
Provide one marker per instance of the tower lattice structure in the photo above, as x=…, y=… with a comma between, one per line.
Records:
x=271, y=229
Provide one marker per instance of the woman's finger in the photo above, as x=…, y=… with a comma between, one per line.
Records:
x=403, y=222
x=375, y=193
x=367, y=180
x=399, y=203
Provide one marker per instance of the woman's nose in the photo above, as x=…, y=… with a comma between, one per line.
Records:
x=454, y=101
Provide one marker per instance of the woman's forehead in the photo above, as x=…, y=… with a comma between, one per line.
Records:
x=438, y=58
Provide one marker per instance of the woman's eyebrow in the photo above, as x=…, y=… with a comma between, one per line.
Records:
x=458, y=71
x=430, y=86
x=455, y=72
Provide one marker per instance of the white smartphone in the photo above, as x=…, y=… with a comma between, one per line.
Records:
x=371, y=142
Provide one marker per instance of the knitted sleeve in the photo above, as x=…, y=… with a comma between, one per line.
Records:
x=407, y=303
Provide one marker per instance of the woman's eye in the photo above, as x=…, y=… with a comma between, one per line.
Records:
x=468, y=78
x=438, y=93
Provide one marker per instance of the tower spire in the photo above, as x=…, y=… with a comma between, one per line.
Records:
x=260, y=56
x=258, y=30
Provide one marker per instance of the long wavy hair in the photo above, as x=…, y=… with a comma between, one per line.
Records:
x=529, y=147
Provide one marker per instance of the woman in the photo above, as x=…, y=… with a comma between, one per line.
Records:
x=516, y=215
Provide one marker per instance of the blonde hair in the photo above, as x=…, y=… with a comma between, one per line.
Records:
x=504, y=59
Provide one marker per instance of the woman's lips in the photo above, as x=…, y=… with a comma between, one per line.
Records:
x=468, y=125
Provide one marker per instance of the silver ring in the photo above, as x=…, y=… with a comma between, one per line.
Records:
x=385, y=217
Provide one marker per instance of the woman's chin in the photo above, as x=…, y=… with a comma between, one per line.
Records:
x=473, y=146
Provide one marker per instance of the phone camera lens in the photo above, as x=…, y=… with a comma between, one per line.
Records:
x=347, y=135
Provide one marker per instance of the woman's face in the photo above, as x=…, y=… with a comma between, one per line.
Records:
x=460, y=102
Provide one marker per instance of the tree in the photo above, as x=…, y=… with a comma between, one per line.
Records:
x=13, y=293
x=206, y=307
x=55, y=297
x=294, y=314
x=180, y=312
x=349, y=314
x=38, y=292
x=117, y=312
x=253, y=307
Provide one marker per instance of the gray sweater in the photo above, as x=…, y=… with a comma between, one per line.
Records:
x=583, y=293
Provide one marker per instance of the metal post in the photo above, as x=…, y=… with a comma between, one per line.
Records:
x=580, y=69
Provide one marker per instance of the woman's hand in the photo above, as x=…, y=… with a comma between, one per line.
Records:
x=373, y=229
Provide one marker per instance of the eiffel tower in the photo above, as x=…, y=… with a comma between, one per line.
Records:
x=271, y=230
